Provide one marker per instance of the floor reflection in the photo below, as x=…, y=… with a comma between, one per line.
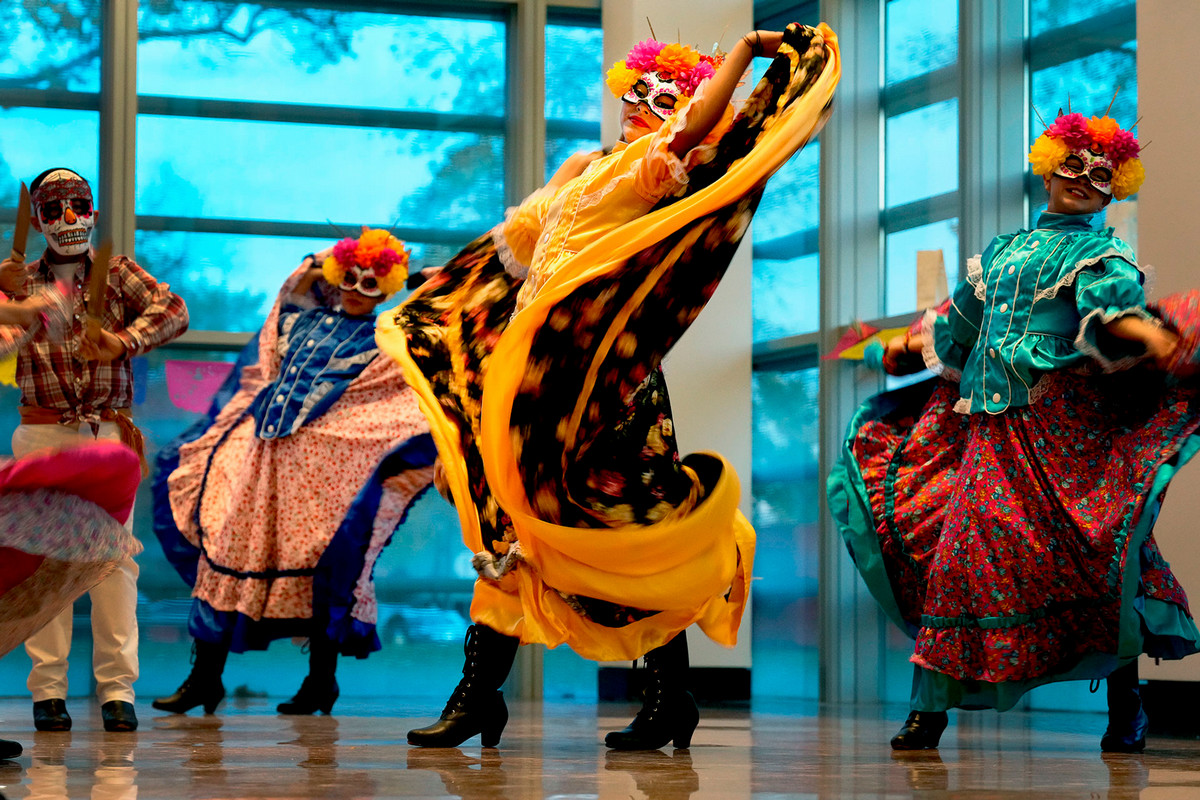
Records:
x=555, y=751
x=656, y=773
x=479, y=777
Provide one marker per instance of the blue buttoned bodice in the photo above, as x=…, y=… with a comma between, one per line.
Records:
x=321, y=352
x=1036, y=302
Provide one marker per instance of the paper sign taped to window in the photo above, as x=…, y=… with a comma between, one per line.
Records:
x=931, y=278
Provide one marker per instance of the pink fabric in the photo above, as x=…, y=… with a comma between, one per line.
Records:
x=106, y=473
x=192, y=384
x=275, y=505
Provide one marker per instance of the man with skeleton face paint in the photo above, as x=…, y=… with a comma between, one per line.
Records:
x=271, y=512
x=77, y=389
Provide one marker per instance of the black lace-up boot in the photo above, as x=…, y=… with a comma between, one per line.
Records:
x=319, y=691
x=669, y=712
x=476, y=706
x=203, y=686
x=1127, y=720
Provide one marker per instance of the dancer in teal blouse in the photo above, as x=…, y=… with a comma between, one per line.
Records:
x=994, y=512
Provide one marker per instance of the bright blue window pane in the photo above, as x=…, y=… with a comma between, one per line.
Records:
x=921, y=36
x=1089, y=84
x=922, y=153
x=573, y=92
x=50, y=45
x=787, y=490
x=35, y=139
x=792, y=200
x=785, y=286
x=321, y=57
x=286, y=172
x=902, y=250
x=574, y=72
x=1048, y=15
x=786, y=297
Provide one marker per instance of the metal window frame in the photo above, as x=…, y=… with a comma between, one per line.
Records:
x=522, y=122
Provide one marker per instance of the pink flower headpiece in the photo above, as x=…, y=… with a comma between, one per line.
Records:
x=1075, y=133
x=677, y=63
x=376, y=250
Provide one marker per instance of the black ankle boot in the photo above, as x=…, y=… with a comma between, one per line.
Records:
x=1127, y=720
x=320, y=689
x=921, y=731
x=669, y=712
x=476, y=706
x=203, y=686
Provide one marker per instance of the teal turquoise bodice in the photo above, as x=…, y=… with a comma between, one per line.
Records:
x=1036, y=301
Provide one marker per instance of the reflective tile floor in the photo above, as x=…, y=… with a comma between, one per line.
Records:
x=554, y=751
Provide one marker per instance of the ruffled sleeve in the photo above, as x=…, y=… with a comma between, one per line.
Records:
x=660, y=172
x=1109, y=289
x=950, y=337
x=516, y=238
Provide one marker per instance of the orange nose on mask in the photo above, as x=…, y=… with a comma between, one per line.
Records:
x=69, y=216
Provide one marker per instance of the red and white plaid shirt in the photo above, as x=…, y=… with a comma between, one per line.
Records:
x=142, y=312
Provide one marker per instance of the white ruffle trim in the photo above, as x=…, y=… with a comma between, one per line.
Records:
x=1069, y=278
x=1099, y=316
x=494, y=567
x=929, y=352
x=975, y=276
x=512, y=265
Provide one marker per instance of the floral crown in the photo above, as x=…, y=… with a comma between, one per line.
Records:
x=1072, y=132
x=376, y=250
x=680, y=64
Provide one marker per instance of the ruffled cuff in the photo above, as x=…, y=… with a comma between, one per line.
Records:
x=512, y=265
x=1112, y=353
x=934, y=361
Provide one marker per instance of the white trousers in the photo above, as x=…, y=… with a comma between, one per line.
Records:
x=114, y=600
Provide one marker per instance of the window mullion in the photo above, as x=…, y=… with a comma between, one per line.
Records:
x=118, y=121
x=993, y=114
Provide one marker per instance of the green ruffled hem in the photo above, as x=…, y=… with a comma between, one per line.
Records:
x=1155, y=627
x=846, y=493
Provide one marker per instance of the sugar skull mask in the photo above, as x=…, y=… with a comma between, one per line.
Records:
x=660, y=95
x=62, y=204
x=1091, y=164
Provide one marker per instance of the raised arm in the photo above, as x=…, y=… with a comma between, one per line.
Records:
x=707, y=109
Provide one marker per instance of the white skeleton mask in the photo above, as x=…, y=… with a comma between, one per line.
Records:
x=63, y=206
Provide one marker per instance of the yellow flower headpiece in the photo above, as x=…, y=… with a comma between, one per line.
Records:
x=1072, y=133
x=678, y=63
x=377, y=251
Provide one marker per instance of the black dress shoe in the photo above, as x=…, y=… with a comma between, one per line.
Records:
x=9, y=749
x=921, y=731
x=314, y=695
x=118, y=715
x=51, y=715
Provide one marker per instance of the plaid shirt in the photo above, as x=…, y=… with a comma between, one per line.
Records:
x=143, y=314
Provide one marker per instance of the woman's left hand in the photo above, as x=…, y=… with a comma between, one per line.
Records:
x=763, y=43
